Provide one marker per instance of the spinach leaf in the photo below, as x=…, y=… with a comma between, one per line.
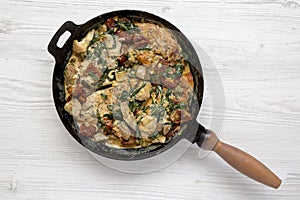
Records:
x=109, y=116
x=134, y=105
x=125, y=26
x=153, y=135
x=104, y=96
x=179, y=68
x=138, y=90
x=124, y=96
x=110, y=107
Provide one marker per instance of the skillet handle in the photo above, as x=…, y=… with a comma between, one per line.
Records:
x=240, y=160
x=52, y=46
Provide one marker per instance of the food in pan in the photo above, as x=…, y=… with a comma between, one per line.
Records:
x=128, y=84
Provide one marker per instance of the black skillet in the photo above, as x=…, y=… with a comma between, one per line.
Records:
x=195, y=133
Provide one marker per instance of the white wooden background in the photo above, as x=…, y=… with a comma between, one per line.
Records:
x=255, y=46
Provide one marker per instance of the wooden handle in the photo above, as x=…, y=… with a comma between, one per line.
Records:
x=241, y=161
x=246, y=164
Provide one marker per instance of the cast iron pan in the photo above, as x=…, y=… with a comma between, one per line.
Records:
x=195, y=133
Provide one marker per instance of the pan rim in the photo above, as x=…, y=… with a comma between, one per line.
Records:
x=109, y=154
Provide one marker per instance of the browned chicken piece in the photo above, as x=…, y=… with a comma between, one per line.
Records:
x=161, y=40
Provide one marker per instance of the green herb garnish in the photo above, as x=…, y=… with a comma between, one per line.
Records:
x=153, y=135
x=109, y=116
x=138, y=90
x=158, y=111
x=139, y=121
x=104, y=96
x=184, y=55
x=125, y=26
x=133, y=105
x=180, y=106
x=124, y=96
x=179, y=68
x=110, y=107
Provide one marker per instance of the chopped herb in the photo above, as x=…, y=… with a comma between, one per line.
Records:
x=145, y=108
x=158, y=90
x=139, y=121
x=153, y=135
x=125, y=26
x=158, y=111
x=179, y=68
x=184, y=55
x=169, y=73
x=110, y=107
x=128, y=80
x=133, y=105
x=96, y=37
x=135, y=86
x=100, y=85
x=104, y=96
x=101, y=61
x=110, y=31
x=138, y=90
x=89, y=55
x=180, y=106
x=101, y=122
x=94, y=77
x=121, y=68
x=109, y=116
x=98, y=50
x=124, y=96
x=165, y=75
x=86, y=85
x=138, y=133
x=168, y=93
x=153, y=100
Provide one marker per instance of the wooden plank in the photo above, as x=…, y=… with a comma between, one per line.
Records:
x=255, y=47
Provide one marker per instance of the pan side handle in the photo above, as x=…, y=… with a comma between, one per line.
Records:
x=240, y=160
x=52, y=46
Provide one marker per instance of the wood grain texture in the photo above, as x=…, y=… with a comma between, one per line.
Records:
x=255, y=46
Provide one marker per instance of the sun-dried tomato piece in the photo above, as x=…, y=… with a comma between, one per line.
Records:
x=110, y=23
x=122, y=59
